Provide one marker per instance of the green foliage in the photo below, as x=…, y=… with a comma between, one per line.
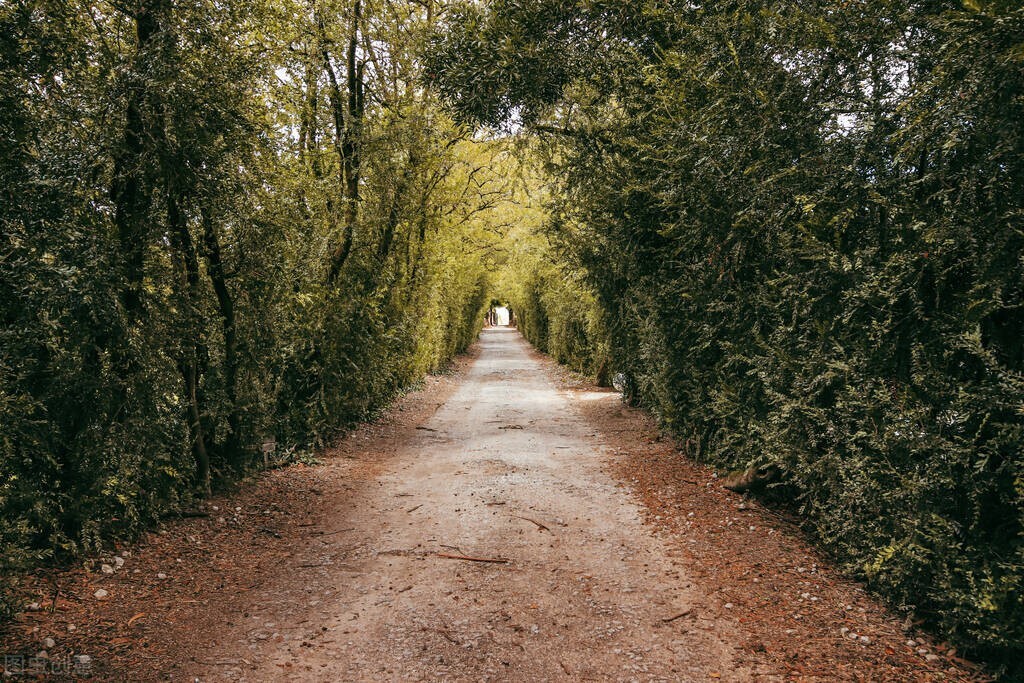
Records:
x=802, y=225
x=177, y=181
x=554, y=306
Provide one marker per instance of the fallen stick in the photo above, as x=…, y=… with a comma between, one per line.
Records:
x=414, y=508
x=330, y=533
x=426, y=429
x=682, y=614
x=533, y=521
x=468, y=558
x=447, y=636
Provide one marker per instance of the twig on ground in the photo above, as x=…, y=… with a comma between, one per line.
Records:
x=682, y=614
x=447, y=636
x=426, y=429
x=414, y=508
x=469, y=558
x=331, y=533
x=533, y=521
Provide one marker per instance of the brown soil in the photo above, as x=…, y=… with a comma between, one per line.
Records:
x=507, y=522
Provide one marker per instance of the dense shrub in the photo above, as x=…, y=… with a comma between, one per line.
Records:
x=803, y=228
x=207, y=245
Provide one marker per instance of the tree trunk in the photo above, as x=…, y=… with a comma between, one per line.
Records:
x=348, y=124
x=190, y=364
x=131, y=189
x=226, y=307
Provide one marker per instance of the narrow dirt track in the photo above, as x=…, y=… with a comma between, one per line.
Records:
x=616, y=559
x=506, y=469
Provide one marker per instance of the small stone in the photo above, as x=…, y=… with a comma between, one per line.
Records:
x=161, y=576
x=728, y=605
x=865, y=640
x=844, y=630
x=49, y=643
x=33, y=607
x=71, y=627
x=42, y=654
x=118, y=561
x=932, y=658
x=101, y=593
x=922, y=650
x=106, y=569
x=83, y=660
x=911, y=643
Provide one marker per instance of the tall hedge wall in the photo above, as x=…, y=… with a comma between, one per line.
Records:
x=804, y=227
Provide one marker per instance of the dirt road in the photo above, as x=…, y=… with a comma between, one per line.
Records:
x=506, y=469
x=502, y=524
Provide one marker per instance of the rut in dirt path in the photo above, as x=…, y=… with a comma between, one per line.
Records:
x=505, y=470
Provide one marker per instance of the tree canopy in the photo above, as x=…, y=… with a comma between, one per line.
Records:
x=230, y=229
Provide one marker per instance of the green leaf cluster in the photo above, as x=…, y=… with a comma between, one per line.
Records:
x=802, y=224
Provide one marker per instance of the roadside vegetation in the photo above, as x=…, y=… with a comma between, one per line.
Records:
x=231, y=229
x=794, y=230
x=228, y=231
